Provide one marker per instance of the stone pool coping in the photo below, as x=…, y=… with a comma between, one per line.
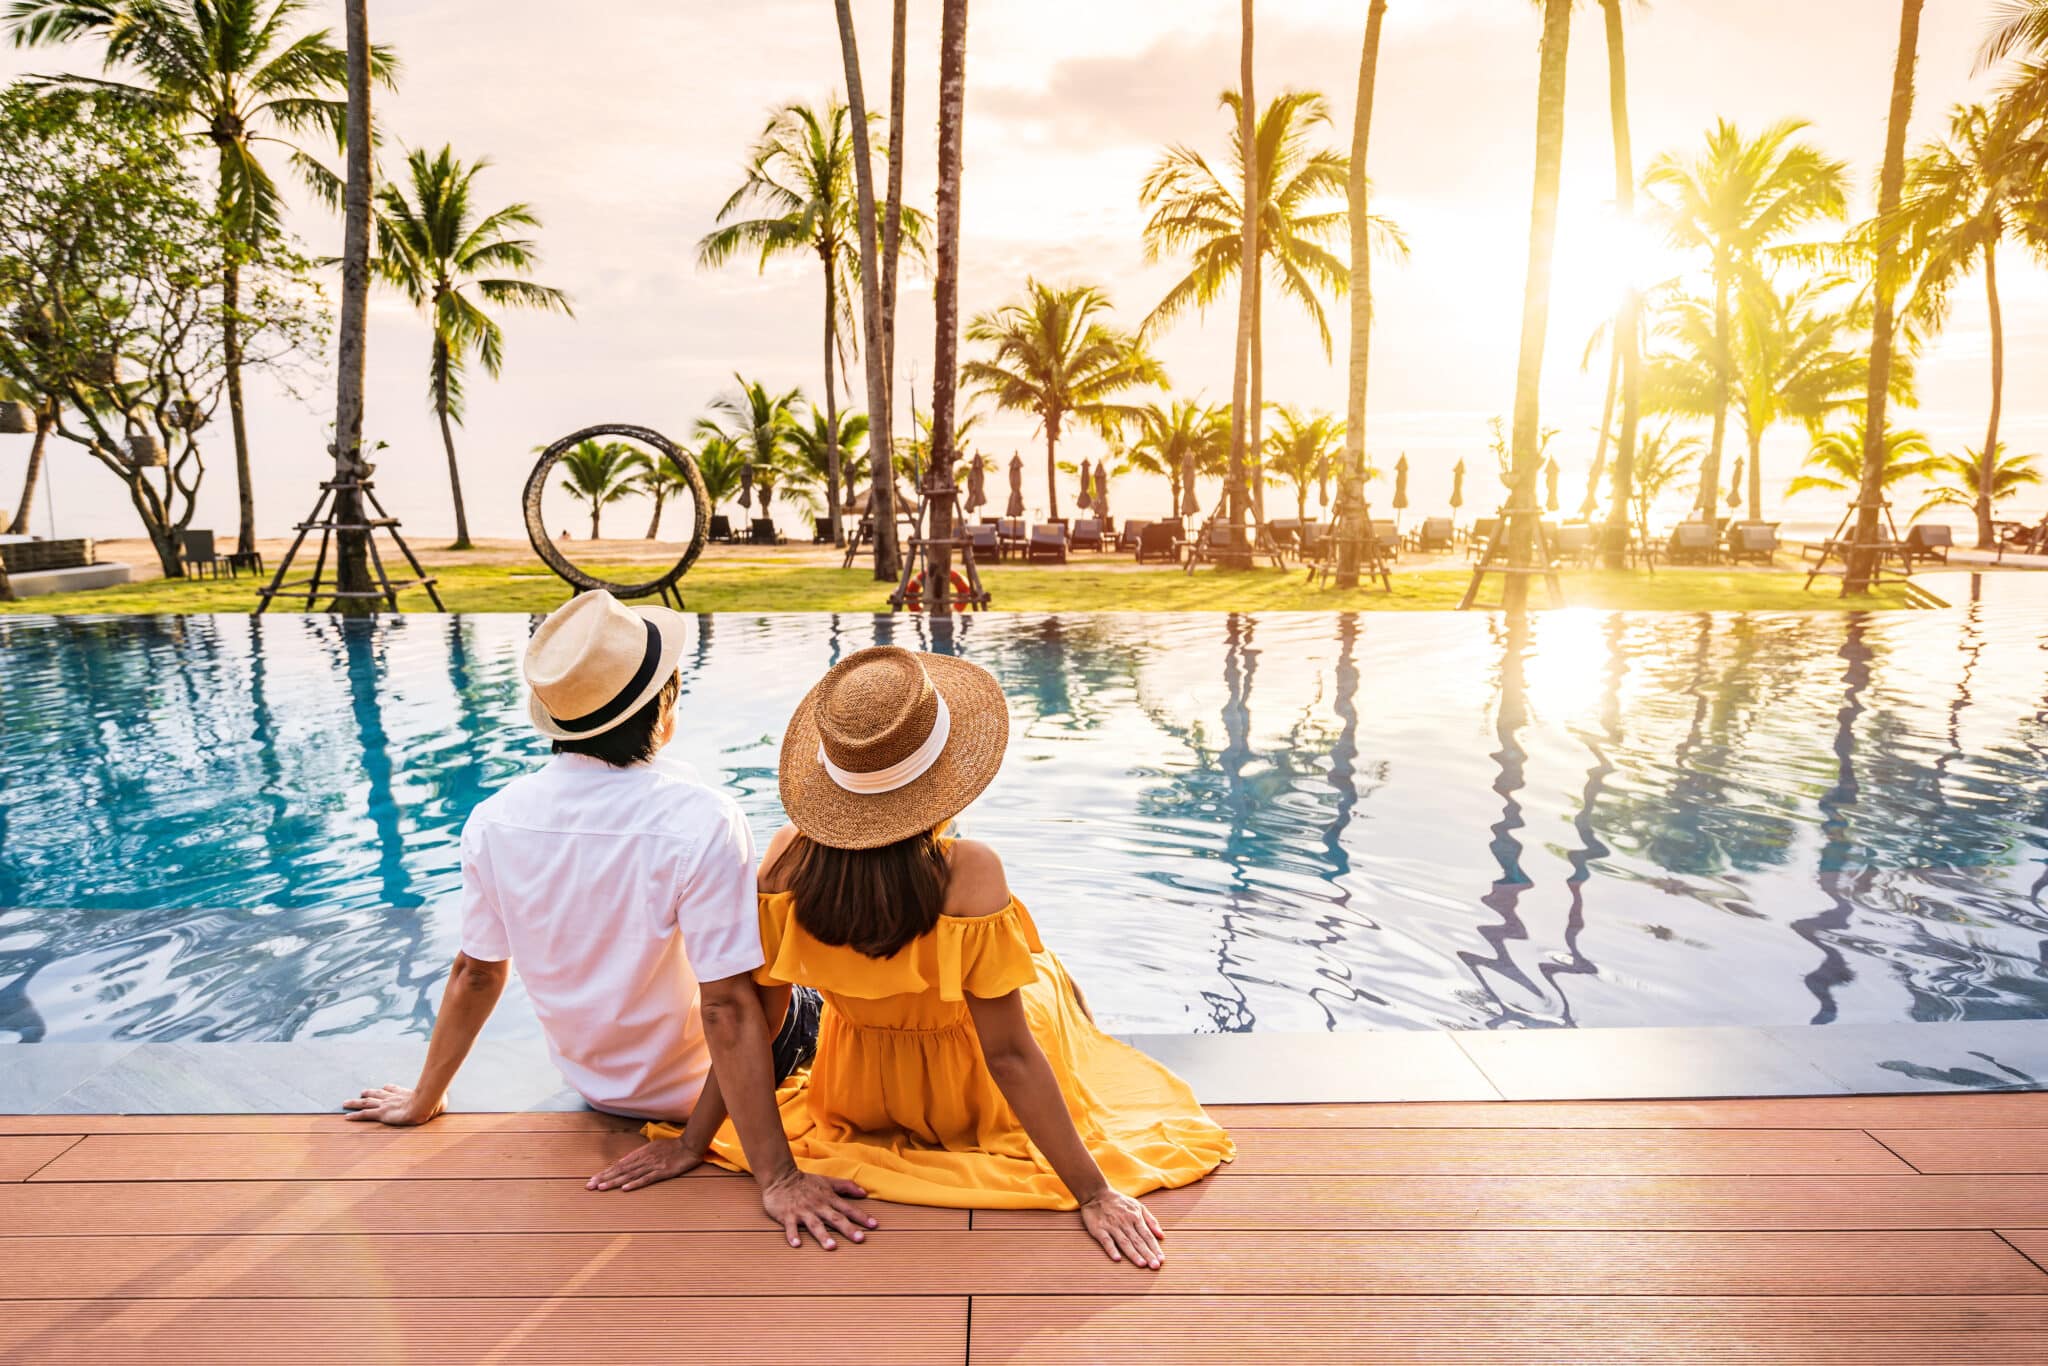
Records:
x=1224, y=1069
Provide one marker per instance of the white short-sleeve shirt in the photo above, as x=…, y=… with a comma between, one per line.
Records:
x=614, y=891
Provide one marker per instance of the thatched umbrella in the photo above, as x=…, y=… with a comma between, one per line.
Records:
x=1401, y=483
x=1102, y=490
x=1016, y=505
x=977, y=483
x=1189, y=504
x=1550, y=486
x=1086, y=500
x=1457, y=486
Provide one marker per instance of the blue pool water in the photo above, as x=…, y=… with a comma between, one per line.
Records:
x=215, y=828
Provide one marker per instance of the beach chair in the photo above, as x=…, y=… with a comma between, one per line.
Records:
x=1127, y=538
x=1929, y=541
x=1308, y=539
x=761, y=531
x=1575, y=544
x=1435, y=534
x=1013, y=534
x=987, y=544
x=821, y=530
x=1756, y=541
x=1159, y=541
x=1484, y=529
x=197, y=550
x=1692, y=543
x=1387, y=536
x=1286, y=533
x=721, y=528
x=1048, y=544
x=1087, y=534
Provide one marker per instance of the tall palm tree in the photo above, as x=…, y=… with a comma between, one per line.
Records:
x=1242, y=450
x=1301, y=449
x=1197, y=214
x=1861, y=565
x=1789, y=364
x=242, y=75
x=1836, y=462
x=1968, y=479
x=601, y=473
x=1525, y=448
x=351, y=351
x=1628, y=351
x=946, y=300
x=435, y=247
x=1053, y=358
x=660, y=480
x=1169, y=434
x=1734, y=205
x=1962, y=198
x=799, y=197
x=1357, y=192
x=14, y=391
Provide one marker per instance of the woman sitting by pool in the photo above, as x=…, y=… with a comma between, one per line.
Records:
x=957, y=1063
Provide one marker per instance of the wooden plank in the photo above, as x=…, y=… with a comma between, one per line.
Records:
x=700, y=1202
x=2010, y=1109
x=922, y=1330
x=1567, y=1202
x=20, y=1158
x=1969, y=1150
x=325, y=1122
x=1560, y=1152
x=518, y=1266
x=361, y=1153
x=2031, y=1241
x=1024, y=1330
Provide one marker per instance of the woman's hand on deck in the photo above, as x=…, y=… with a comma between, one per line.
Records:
x=800, y=1201
x=658, y=1160
x=399, y=1106
x=1125, y=1228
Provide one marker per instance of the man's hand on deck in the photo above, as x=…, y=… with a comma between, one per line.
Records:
x=399, y=1106
x=801, y=1201
x=658, y=1160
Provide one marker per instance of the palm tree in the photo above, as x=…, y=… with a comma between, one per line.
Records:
x=600, y=473
x=353, y=595
x=435, y=248
x=1970, y=480
x=240, y=75
x=1835, y=464
x=1788, y=365
x=1525, y=449
x=817, y=442
x=763, y=427
x=14, y=391
x=1168, y=435
x=2020, y=28
x=800, y=188
x=1735, y=204
x=660, y=480
x=1661, y=461
x=1628, y=351
x=946, y=301
x=1054, y=359
x=1301, y=449
x=1961, y=199
x=723, y=468
x=1195, y=213
x=1861, y=565
x=1357, y=191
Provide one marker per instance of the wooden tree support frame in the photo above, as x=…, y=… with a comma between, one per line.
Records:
x=1203, y=549
x=911, y=594
x=1838, y=547
x=325, y=519
x=1354, y=532
x=1495, y=559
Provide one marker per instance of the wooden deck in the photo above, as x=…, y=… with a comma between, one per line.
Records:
x=1843, y=1229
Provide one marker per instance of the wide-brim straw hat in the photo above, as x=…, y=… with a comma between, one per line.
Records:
x=890, y=743
x=594, y=662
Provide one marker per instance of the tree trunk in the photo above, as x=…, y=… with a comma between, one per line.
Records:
x=448, y=443
x=1052, y=469
x=352, y=554
x=231, y=358
x=44, y=421
x=1351, y=488
x=1628, y=339
x=1526, y=450
x=654, y=527
x=831, y=404
x=881, y=468
x=938, y=588
x=892, y=211
x=1247, y=280
x=1756, y=473
x=1862, y=563
x=1255, y=420
x=1592, y=498
x=1987, y=534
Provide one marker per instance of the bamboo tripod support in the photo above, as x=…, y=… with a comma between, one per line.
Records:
x=325, y=519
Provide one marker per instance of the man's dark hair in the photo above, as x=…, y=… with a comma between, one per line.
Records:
x=632, y=740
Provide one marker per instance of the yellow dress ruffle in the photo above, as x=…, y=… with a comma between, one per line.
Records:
x=900, y=1100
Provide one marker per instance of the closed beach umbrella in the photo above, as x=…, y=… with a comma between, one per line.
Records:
x=1401, y=483
x=1735, y=485
x=1085, y=501
x=1550, y=486
x=1102, y=490
x=1016, y=505
x=977, y=483
x=1457, y=486
x=1189, y=504
x=746, y=483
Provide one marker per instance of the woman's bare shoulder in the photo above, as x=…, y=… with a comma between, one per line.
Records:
x=977, y=886
x=769, y=881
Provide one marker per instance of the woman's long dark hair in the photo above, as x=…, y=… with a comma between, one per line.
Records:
x=874, y=901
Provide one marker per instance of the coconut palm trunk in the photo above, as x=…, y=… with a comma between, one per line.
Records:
x=1247, y=285
x=1052, y=467
x=938, y=590
x=231, y=367
x=1861, y=567
x=441, y=364
x=892, y=212
x=352, y=554
x=46, y=418
x=1709, y=498
x=1351, y=492
x=1628, y=338
x=831, y=403
x=1526, y=447
x=1987, y=534
x=1255, y=426
x=881, y=467
x=1756, y=474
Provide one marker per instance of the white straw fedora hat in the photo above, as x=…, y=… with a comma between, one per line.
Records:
x=595, y=661
x=890, y=743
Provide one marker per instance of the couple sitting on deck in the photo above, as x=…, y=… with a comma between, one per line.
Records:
x=927, y=1047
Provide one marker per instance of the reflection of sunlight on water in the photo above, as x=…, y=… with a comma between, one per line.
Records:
x=1292, y=821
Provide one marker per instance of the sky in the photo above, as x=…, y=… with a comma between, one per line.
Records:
x=627, y=127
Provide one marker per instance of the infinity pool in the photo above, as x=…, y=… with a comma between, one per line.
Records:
x=214, y=828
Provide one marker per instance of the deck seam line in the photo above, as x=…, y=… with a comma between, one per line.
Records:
x=1122, y=1296
x=2000, y=1235
x=30, y=1176
x=1872, y=1136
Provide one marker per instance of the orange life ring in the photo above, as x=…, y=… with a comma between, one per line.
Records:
x=913, y=593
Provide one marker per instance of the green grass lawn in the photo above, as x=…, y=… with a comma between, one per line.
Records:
x=769, y=585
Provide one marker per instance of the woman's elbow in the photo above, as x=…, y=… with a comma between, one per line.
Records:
x=1008, y=1063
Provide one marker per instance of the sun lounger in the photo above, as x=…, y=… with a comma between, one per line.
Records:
x=1756, y=541
x=1484, y=529
x=1127, y=538
x=1928, y=541
x=1159, y=541
x=821, y=530
x=1693, y=543
x=1087, y=534
x=1013, y=533
x=721, y=528
x=1388, y=535
x=1575, y=544
x=761, y=531
x=987, y=544
x=1435, y=533
x=1048, y=543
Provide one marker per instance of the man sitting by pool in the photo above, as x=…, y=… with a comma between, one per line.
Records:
x=625, y=891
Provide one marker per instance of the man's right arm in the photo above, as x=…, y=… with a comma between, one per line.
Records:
x=474, y=986
x=737, y=1033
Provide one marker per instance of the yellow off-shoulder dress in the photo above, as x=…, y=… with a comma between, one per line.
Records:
x=900, y=1100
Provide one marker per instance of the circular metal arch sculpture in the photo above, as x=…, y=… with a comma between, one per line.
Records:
x=664, y=586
